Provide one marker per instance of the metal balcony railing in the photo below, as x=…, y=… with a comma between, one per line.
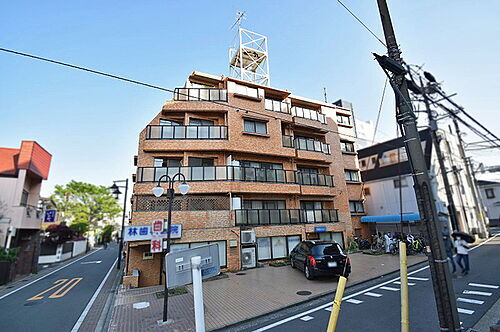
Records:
x=154, y=132
x=307, y=144
x=307, y=113
x=284, y=217
x=277, y=106
x=200, y=94
x=236, y=173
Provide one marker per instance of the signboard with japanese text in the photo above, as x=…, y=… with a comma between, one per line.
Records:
x=156, y=245
x=50, y=216
x=157, y=226
x=145, y=232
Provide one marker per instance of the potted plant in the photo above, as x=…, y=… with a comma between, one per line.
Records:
x=7, y=259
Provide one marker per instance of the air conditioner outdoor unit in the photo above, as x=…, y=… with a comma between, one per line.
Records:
x=248, y=257
x=247, y=237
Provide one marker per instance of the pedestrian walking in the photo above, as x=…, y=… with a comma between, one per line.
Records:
x=462, y=254
x=450, y=250
x=388, y=241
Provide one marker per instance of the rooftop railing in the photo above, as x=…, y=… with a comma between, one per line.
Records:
x=249, y=217
x=236, y=173
x=307, y=144
x=307, y=113
x=277, y=106
x=200, y=94
x=155, y=132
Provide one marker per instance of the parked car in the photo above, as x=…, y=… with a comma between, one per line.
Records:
x=320, y=258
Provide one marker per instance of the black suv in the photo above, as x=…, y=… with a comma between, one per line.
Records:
x=317, y=258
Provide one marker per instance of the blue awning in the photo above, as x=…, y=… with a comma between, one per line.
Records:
x=392, y=218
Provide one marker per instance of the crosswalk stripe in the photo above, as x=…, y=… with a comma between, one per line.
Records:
x=390, y=288
x=354, y=301
x=328, y=309
x=399, y=283
x=373, y=294
x=418, y=278
x=472, y=292
x=461, y=299
x=306, y=318
x=465, y=311
x=483, y=285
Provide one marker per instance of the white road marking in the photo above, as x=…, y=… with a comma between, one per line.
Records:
x=373, y=294
x=472, y=292
x=418, y=278
x=354, y=301
x=92, y=300
x=92, y=262
x=483, y=285
x=461, y=299
x=329, y=304
x=465, y=311
x=48, y=274
x=328, y=309
x=140, y=305
x=390, y=288
x=399, y=283
x=306, y=318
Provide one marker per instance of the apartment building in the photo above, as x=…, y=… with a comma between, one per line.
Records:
x=490, y=194
x=21, y=174
x=266, y=168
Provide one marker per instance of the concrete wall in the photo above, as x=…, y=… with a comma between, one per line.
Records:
x=492, y=204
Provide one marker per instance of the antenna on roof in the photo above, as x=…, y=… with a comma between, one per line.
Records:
x=239, y=17
x=325, y=93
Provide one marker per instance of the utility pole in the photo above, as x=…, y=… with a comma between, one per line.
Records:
x=438, y=263
x=437, y=140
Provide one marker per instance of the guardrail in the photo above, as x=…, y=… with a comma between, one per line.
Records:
x=162, y=132
x=247, y=217
x=200, y=94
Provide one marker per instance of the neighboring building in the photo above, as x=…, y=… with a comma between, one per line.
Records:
x=266, y=169
x=386, y=173
x=490, y=194
x=21, y=174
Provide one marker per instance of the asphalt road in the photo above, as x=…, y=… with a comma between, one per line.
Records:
x=376, y=305
x=57, y=301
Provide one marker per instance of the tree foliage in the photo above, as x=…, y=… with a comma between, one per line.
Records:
x=107, y=232
x=79, y=227
x=58, y=234
x=84, y=202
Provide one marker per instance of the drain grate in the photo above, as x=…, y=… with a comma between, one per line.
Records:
x=240, y=273
x=303, y=292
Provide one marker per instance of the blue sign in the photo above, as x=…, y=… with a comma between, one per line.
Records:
x=141, y=233
x=50, y=216
x=319, y=229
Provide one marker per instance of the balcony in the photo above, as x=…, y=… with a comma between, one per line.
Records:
x=200, y=94
x=284, y=217
x=307, y=113
x=307, y=144
x=277, y=106
x=236, y=173
x=154, y=132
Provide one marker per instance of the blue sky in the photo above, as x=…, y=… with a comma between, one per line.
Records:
x=91, y=124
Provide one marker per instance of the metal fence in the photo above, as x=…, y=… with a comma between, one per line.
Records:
x=155, y=132
x=148, y=203
x=236, y=173
x=249, y=217
x=307, y=144
x=200, y=94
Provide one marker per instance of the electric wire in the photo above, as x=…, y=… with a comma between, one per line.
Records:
x=379, y=110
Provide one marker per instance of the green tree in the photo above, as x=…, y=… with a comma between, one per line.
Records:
x=107, y=232
x=79, y=227
x=85, y=202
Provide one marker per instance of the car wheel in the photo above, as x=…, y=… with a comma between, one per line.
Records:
x=307, y=273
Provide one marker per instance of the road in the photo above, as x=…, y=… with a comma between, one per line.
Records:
x=56, y=302
x=376, y=305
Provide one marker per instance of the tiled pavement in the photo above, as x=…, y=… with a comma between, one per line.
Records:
x=241, y=296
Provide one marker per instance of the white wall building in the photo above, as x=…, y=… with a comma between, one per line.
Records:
x=490, y=194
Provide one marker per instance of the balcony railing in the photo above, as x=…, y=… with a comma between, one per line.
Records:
x=307, y=113
x=155, y=132
x=307, y=144
x=277, y=106
x=200, y=94
x=284, y=217
x=236, y=173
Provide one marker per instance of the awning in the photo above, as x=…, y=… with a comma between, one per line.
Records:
x=392, y=218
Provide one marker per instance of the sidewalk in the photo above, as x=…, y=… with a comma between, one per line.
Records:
x=241, y=296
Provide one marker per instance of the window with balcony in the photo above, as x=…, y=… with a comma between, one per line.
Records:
x=311, y=144
x=201, y=168
x=261, y=171
x=307, y=113
x=356, y=207
x=167, y=162
x=263, y=204
x=257, y=127
x=352, y=176
x=344, y=119
x=277, y=106
x=247, y=91
x=346, y=146
x=164, y=122
x=201, y=122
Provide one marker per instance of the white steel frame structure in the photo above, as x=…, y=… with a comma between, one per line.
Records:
x=249, y=61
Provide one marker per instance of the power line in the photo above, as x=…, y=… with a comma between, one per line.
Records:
x=364, y=25
x=379, y=110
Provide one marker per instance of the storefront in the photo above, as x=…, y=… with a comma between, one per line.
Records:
x=406, y=223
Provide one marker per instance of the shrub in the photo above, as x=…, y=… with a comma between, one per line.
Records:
x=8, y=254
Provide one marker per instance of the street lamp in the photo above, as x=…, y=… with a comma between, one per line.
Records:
x=158, y=191
x=116, y=191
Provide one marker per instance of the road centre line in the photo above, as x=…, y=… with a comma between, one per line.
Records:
x=48, y=274
x=329, y=304
x=91, y=302
x=483, y=285
x=461, y=299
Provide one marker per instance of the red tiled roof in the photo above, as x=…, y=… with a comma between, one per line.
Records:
x=8, y=161
x=31, y=157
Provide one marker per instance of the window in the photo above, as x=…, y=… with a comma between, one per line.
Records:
x=201, y=122
x=259, y=164
x=264, y=248
x=24, y=198
x=366, y=191
x=343, y=119
x=257, y=127
x=276, y=247
x=311, y=205
x=400, y=183
x=247, y=91
x=362, y=163
x=308, y=170
x=356, y=207
x=490, y=193
x=165, y=162
x=164, y=122
x=147, y=255
x=193, y=161
x=332, y=236
x=346, y=146
x=263, y=205
x=352, y=176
